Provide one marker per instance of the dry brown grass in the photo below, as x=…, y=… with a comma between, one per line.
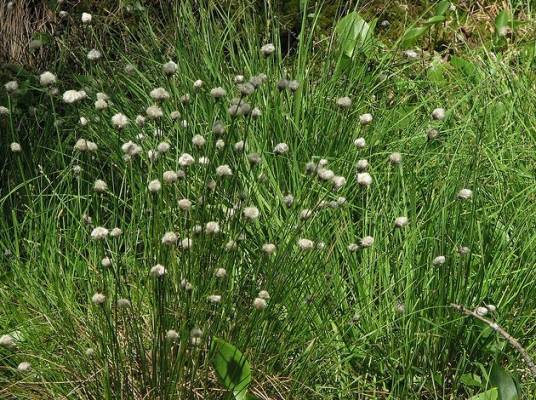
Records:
x=19, y=24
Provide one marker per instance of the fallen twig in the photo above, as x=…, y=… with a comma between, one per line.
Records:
x=493, y=325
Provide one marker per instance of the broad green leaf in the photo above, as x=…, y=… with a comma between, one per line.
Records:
x=462, y=65
x=353, y=32
x=504, y=383
x=436, y=19
x=412, y=35
x=471, y=380
x=232, y=368
x=502, y=20
x=491, y=394
x=442, y=7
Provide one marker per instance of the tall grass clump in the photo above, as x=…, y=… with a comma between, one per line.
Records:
x=189, y=192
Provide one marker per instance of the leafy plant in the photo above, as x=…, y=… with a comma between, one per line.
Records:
x=232, y=368
x=491, y=394
x=354, y=34
x=504, y=382
x=413, y=34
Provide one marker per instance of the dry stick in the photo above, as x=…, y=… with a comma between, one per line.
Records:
x=503, y=333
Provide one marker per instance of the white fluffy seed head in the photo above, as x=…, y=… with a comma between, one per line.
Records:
x=154, y=112
x=169, y=238
x=360, y=143
x=482, y=311
x=86, y=18
x=439, y=260
x=353, y=247
x=100, y=186
x=140, y=120
x=24, y=366
x=99, y=233
x=344, y=102
x=281, y=148
x=159, y=94
x=47, y=78
x=432, y=134
x=98, y=298
x=186, y=243
x=251, y=213
x=15, y=147
x=224, y=170
x=220, y=144
x=101, y=104
x=395, y=158
x=198, y=140
x=465, y=194
x=364, y=179
x=185, y=204
x=401, y=222
x=263, y=294
x=268, y=248
x=169, y=68
x=186, y=160
x=214, y=298
x=94, y=55
x=305, y=244
x=154, y=186
x=288, y=200
x=218, y=92
x=438, y=114
x=212, y=227
x=172, y=335
x=72, y=96
x=367, y=241
x=268, y=49
x=119, y=120
x=163, y=147
x=158, y=271
x=116, y=232
x=365, y=119
x=338, y=182
x=259, y=304
x=325, y=174
x=220, y=273
x=106, y=262
x=306, y=214
x=11, y=86
x=170, y=177
x=7, y=341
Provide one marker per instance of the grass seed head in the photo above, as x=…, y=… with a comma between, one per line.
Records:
x=47, y=78
x=401, y=222
x=98, y=299
x=154, y=186
x=259, y=304
x=267, y=49
x=158, y=271
x=169, y=68
x=344, y=102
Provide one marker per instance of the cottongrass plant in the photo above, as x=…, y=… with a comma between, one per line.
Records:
x=220, y=191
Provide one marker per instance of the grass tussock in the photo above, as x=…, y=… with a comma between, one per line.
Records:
x=186, y=183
